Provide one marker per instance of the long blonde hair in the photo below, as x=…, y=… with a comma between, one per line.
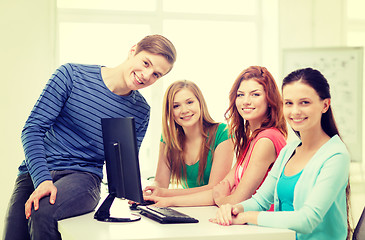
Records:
x=173, y=134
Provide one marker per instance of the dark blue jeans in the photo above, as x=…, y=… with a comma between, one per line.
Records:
x=77, y=193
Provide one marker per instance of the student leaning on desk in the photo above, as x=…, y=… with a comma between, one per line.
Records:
x=258, y=129
x=195, y=151
x=62, y=138
x=308, y=183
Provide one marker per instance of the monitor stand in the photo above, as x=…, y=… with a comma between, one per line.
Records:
x=103, y=213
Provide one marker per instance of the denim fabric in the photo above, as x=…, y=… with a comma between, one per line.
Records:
x=77, y=193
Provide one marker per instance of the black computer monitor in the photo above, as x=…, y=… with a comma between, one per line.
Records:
x=122, y=166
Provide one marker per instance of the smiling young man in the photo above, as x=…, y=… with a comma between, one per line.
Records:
x=62, y=139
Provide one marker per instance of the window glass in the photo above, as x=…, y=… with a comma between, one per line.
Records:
x=98, y=43
x=246, y=7
x=212, y=54
x=126, y=5
x=355, y=9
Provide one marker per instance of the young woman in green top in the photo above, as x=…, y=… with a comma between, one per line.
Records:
x=195, y=151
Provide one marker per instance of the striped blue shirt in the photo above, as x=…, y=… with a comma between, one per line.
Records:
x=63, y=130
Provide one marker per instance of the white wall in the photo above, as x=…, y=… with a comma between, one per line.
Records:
x=315, y=23
x=310, y=23
x=26, y=62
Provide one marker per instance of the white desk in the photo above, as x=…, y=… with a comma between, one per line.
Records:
x=86, y=227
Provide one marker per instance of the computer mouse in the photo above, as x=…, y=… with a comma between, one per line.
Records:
x=148, y=202
x=133, y=206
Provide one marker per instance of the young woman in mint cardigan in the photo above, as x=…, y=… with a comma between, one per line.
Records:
x=308, y=183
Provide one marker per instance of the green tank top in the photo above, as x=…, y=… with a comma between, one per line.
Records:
x=192, y=171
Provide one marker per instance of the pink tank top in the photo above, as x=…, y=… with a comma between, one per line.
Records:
x=279, y=142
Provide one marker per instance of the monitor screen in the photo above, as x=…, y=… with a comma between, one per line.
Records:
x=121, y=158
x=122, y=165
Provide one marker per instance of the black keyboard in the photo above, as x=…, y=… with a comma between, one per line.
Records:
x=165, y=215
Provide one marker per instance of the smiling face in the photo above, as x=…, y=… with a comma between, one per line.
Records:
x=186, y=108
x=251, y=102
x=303, y=107
x=144, y=69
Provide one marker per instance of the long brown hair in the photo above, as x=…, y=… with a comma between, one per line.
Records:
x=239, y=127
x=174, y=137
x=319, y=83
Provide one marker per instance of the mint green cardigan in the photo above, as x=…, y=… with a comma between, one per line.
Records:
x=319, y=195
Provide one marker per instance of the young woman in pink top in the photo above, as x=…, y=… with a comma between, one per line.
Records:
x=258, y=128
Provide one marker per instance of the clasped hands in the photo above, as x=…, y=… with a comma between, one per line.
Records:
x=229, y=214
